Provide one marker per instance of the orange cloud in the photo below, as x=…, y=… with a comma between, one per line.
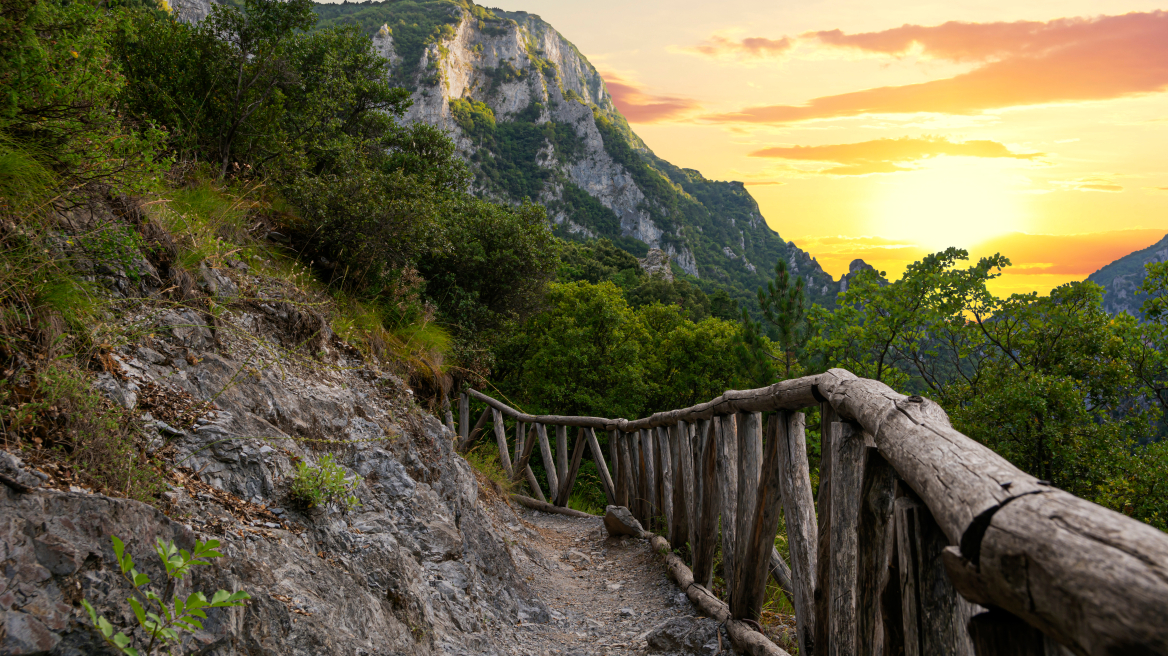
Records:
x=886, y=155
x=640, y=106
x=1025, y=63
x=748, y=48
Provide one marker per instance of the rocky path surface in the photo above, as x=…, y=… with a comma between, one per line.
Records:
x=606, y=595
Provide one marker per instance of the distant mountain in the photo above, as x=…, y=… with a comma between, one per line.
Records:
x=1122, y=278
x=535, y=120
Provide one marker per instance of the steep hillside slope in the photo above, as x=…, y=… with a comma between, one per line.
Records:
x=1122, y=278
x=535, y=120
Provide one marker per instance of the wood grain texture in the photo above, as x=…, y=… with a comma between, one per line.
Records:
x=639, y=476
x=533, y=483
x=518, y=447
x=679, y=527
x=549, y=464
x=463, y=417
x=685, y=459
x=474, y=433
x=749, y=429
x=524, y=457
x=874, y=559
x=754, y=566
x=728, y=495
x=935, y=616
x=561, y=454
x=802, y=526
x=827, y=417
x=847, y=480
x=665, y=462
x=626, y=460
x=707, y=503
x=781, y=574
x=618, y=474
x=501, y=440
x=743, y=637
x=570, y=479
x=647, y=451
x=549, y=508
x=601, y=466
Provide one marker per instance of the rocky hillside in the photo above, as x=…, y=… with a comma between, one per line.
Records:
x=535, y=120
x=1122, y=278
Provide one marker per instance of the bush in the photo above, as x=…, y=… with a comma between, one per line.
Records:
x=325, y=483
x=162, y=624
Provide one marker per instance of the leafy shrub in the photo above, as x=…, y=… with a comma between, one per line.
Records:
x=162, y=624
x=315, y=486
x=485, y=460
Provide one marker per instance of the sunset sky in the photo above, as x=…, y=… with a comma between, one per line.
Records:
x=884, y=131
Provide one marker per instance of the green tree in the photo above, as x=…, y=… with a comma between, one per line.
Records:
x=783, y=307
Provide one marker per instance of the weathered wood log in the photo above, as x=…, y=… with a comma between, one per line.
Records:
x=935, y=616
x=802, y=527
x=518, y=447
x=524, y=458
x=685, y=465
x=474, y=433
x=827, y=417
x=501, y=440
x=549, y=508
x=650, y=475
x=707, y=502
x=618, y=474
x=847, y=480
x=638, y=466
x=998, y=633
x=728, y=495
x=627, y=462
x=875, y=551
x=549, y=464
x=749, y=429
x=561, y=453
x=601, y=466
x=678, y=527
x=447, y=414
x=463, y=417
x=760, y=540
x=665, y=461
x=569, y=479
x=891, y=605
x=743, y=637
x=781, y=574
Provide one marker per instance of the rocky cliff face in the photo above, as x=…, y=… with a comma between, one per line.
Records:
x=596, y=177
x=1122, y=278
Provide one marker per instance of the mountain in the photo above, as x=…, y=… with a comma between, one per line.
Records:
x=1122, y=278
x=535, y=120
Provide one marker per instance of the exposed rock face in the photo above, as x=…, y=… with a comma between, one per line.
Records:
x=619, y=521
x=419, y=568
x=1122, y=278
x=685, y=635
x=656, y=262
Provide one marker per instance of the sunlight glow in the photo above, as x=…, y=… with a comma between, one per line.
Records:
x=950, y=201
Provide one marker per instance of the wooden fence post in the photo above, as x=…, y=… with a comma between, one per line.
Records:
x=802, y=529
x=549, y=464
x=601, y=466
x=685, y=466
x=665, y=460
x=463, y=417
x=638, y=466
x=728, y=495
x=570, y=478
x=561, y=455
x=618, y=472
x=749, y=425
x=764, y=523
x=827, y=417
x=650, y=476
x=707, y=502
x=518, y=445
x=935, y=616
x=996, y=632
x=501, y=439
x=875, y=551
x=847, y=480
x=474, y=432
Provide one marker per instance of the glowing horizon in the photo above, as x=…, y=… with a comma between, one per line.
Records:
x=886, y=132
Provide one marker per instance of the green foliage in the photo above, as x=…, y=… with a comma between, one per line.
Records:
x=485, y=460
x=324, y=483
x=59, y=107
x=783, y=307
x=163, y=623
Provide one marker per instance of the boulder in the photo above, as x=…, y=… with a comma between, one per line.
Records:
x=14, y=475
x=688, y=635
x=619, y=521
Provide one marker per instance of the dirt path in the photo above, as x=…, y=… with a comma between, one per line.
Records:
x=605, y=594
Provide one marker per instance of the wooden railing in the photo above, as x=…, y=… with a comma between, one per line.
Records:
x=921, y=541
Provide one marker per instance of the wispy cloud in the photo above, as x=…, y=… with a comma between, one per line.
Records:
x=722, y=47
x=888, y=155
x=1091, y=184
x=641, y=106
x=1021, y=63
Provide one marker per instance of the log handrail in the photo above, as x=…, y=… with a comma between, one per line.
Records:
x=1092, y=579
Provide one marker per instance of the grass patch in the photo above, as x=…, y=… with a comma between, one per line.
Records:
x=486, y=461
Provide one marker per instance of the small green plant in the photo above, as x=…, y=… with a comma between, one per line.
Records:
x=486, y=462
x=163, y=624
x=324, y=483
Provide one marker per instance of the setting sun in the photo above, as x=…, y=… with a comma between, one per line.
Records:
x=948, y=202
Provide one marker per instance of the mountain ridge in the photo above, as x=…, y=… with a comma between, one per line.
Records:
x=1122, y=278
